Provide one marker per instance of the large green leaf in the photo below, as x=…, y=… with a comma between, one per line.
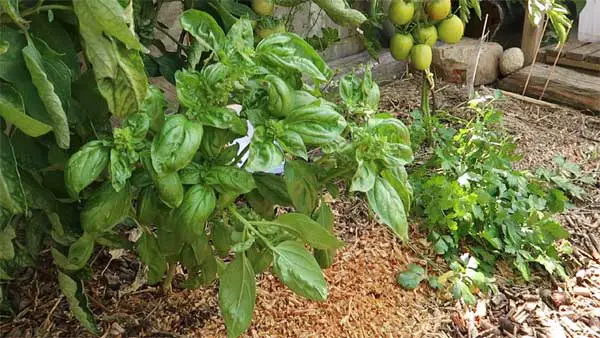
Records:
x=47, y=92
x=307, y=229
x=120, y=169
x=324, y=216
x=14, y=71
x=126, y=91
x=273, y=188
x=204, y=29
x=387, y=205
x=13, y=111
x=299, y=270
x=107, y=16
x=301, y=185
x=73, y=291
x=237, y=295
x=7, y=250
x=58, y=39
x=221, y=117
x=86, y=165
x=154, y=105
x=149, y=251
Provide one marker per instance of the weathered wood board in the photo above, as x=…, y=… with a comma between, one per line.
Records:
x=576, y=54
x=567, y=86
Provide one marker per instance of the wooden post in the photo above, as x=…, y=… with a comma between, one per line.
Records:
x=531, y=37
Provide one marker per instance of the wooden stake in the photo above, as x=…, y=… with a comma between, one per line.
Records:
x=471, y=85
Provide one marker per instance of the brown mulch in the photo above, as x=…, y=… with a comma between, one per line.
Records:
x=364, y=299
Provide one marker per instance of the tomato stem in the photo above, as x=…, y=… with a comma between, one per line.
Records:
x=425, y=109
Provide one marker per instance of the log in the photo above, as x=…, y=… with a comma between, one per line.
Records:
x=567, y=86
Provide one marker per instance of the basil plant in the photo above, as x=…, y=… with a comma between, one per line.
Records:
x=182, y=185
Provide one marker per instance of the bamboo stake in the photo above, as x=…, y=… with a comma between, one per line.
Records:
x=562, y=45
x=537, y=50
x=471, y=84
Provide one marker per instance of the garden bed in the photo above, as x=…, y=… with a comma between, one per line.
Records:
x=364, y=300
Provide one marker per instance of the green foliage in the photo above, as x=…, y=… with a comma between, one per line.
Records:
x=472, y=198
x=178, y=176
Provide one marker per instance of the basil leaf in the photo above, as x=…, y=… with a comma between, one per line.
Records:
x=292, y=143
x=148, y=205
x=85, y=166
x=301, y=185
x=75, y=295
x=317, y=123
x=324, y=216
x=398, y=178
x=387, y=205
x=221, y=238
x=149, y=251
x=241, y=35
x=13, y=111
x=46, y=90
x=204, y=29
x=120, y=170
x=230, y=179
x=237, y=295
x=81, y=250
x=350, y=89
x=364, y=178
x=273, y=188
x=198, y=204
x=393, y=129
x=260, y=259
x=274, y=51
x=264, y=155
x=299, y=271
x=169, y=186
x=307, y=229
x=221, y=117
x=176, y=144
x=154, y=106
x=105, y=208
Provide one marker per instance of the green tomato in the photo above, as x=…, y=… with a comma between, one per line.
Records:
x=263, y=7
x=451, y=30
x=427, y=35
x=401, y=12
x=438, y=9
x=421, y=56
x=400, y=46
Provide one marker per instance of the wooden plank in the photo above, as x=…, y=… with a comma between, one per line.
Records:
x=580, y=53
x=594, y=57
x=567, y=86
x=563, y=61
x=569, y=45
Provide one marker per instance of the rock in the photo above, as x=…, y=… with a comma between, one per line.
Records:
x=512, y=60
x=455, y=63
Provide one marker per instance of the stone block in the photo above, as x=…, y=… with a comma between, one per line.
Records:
x=456, y=63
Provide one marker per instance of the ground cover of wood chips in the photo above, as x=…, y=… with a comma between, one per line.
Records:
x=364, y=299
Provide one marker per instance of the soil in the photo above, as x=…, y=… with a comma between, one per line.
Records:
x=364, y=300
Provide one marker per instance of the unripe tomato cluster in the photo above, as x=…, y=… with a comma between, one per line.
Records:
x=421, y=25
x=267, y=24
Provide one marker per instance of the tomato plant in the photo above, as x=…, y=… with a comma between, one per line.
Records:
x=90, y=153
